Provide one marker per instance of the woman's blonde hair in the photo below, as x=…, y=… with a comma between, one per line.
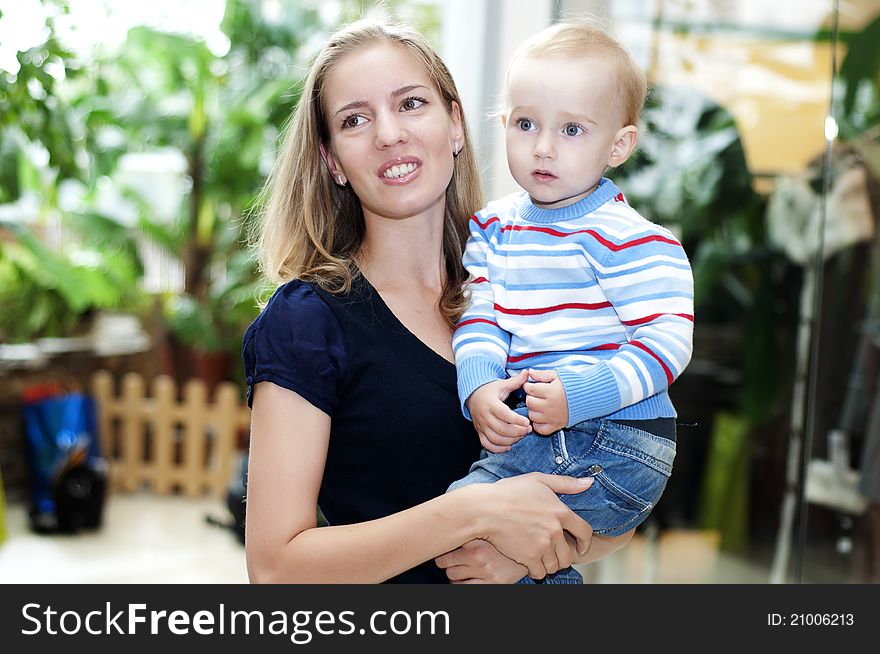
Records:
x=312, y=229
x=581, y=38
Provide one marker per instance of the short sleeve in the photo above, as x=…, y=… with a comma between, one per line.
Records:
x=297, y=343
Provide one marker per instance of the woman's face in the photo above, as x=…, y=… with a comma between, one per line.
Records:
x=391, y=136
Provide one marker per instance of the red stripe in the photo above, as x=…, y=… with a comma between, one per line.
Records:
x=524, y=356
x=639, y=321
x=557, y=307
x=607, y=346
x=555, y=232
x=668, y=372
x=479, y=280
x=473, y=320
x=489, y=221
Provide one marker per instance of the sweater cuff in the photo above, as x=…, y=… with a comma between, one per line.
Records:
x=474, y=372
x=590, y=394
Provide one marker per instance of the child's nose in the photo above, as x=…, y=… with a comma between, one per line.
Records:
x=545, y=147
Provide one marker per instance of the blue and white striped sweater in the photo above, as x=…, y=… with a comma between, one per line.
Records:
x=592, y=290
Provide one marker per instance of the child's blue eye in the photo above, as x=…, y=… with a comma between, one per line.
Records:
x=526, y=125
x=573, y=130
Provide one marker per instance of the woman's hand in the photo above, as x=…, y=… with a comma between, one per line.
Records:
x=478, y=562
x=526, y=522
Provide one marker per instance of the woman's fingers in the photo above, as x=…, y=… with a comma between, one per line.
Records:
x=458, y=573
x=529, y=523
x=580, y=529
x=563, y=484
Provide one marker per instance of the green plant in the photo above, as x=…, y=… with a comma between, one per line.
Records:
x=49, y=293
x=224, y=112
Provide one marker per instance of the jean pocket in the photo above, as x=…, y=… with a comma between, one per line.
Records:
x=631, y=468
x=608, y=505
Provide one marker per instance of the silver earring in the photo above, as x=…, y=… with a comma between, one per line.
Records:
x=340, y=180
x=456, y=150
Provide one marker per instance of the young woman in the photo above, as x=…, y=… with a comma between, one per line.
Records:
x=350, y=365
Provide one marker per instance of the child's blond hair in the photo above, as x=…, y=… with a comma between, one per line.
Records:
x=580, y=39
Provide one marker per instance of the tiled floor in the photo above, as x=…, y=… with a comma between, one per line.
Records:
x=143, y=539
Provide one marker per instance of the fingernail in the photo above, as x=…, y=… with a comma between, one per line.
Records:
x=585, y=481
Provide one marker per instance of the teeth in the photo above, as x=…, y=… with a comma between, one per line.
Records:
x=399, y=171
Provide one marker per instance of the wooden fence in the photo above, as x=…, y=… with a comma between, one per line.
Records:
x=166, y=445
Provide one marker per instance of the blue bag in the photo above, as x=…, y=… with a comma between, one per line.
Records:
x=67, y=472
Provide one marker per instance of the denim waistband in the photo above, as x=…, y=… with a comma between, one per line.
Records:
x=662, y=427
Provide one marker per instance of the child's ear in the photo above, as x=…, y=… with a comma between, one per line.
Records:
x=624, y=144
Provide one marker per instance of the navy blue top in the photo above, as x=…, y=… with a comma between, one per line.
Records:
x=397, y=436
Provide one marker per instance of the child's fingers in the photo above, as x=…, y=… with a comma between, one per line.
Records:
x=489, y=446
x=545, y=376
x=504, y=428
x=534, y=403
x=499, y=440
x=537, y=416
x=512, y=383
x=536, y=389
x=545, y=428
x=504, y=413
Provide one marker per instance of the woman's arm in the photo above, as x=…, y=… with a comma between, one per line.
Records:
x=522, y=517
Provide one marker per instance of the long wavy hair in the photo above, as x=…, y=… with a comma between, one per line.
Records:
x=310, y=228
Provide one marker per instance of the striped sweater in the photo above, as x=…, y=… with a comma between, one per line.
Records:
x=593, y=291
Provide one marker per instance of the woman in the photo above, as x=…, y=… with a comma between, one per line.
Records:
x=350, y=367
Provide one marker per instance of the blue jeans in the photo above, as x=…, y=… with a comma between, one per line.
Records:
x=630, y=467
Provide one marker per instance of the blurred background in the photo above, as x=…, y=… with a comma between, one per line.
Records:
x=135, y=136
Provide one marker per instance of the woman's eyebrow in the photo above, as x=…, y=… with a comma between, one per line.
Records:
x=359, y=104
x=403, y=90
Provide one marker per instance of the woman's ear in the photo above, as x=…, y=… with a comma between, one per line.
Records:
x=457, y=125
x=624, y=143
x=332, y=166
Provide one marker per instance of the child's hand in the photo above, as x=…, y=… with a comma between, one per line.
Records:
x=545, y=397
x=499, y=427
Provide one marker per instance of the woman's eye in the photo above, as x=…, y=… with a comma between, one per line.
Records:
x=573, y=130
x=526, y=125
x=411, y=103
x=352, y=121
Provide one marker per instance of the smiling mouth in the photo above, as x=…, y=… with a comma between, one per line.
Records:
x=400, y=170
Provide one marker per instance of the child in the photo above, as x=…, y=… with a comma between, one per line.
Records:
x=581, y=310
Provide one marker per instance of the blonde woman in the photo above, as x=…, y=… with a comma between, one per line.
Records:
x=350, y=366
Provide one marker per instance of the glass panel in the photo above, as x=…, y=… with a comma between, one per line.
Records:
x=734, y=160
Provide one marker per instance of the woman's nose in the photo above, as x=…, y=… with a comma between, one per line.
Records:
x=389, y=130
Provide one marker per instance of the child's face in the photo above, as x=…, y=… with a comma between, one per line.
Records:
x=563, y=127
